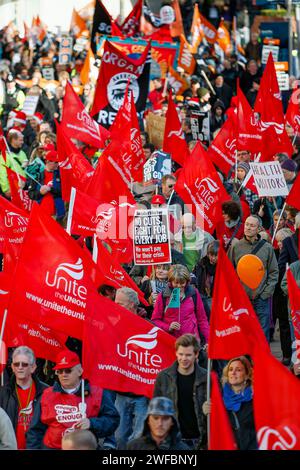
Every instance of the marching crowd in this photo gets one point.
(41, 405)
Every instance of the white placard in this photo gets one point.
(269, 179)
(30, 104)
(266, 51)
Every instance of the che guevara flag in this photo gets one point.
(174, 141)
(133, 351)
(199, 185)
(221, 435)
(115, 71)
(74, 168)
(77, 123)
(276, 403)
(234, 327)
(52, 277)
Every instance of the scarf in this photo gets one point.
(233, 401)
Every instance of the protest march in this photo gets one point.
(149, 229)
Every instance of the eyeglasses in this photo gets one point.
(63, 371)
(20, 364)
(170, 186)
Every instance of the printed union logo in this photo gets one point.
(10, 217)
(87, 121)
(142, 359)
(117, 86)
(178, 134)
(66, 164)
(70, 287)
(279, 128)
(75, 271)
(234, 313)
(147, 341)
(271, 439)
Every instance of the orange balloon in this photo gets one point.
(250, 270)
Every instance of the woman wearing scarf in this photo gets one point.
(237, 396)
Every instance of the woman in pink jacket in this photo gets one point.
(190, 317)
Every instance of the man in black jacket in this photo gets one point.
(20, 396)
(185, 384)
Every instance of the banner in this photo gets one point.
(151, 237)
(133, 351)
(156, 167)
(269, 179)
(200, 126)
(185, 58)
(101, 24)
(115, 71)
(155, 126)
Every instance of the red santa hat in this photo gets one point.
(20, 118)
(38, 117)
(14, 129)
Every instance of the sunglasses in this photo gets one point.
(171, 186)
(20, 364)
(63, 371)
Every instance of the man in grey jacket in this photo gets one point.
(252, 243)
(7, 434)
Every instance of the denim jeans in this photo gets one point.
(132, 412)
(262, 309)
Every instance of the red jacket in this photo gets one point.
(60, 412)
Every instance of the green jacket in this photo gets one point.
(267, 255)
(13, 161)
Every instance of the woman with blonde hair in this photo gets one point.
(187, 317)
(237, 397)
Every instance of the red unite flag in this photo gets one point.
(174, 141)
(19, 196)
(294, 298)
(77, 123)
(293, 198)
(276, 403)
(221, 435)
(53, 287)
(13, 225)
(200, 186)
(223, 148)
(234, 327)
(292, 115)
(133, 351)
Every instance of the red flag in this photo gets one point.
(292, 115)
(174, 141)
(223, 440)
(74, 168)
(293, 198)
(78, 25)
(276, 404)
(77, 123)
(112, 271)
(115, 71)
(133, 351)
(234, 327)
(269, 104)
(52, 287)
(223, 148)
(248, 130)
(126, 139)
(131, 24)
(294, 298)
(200, 186)
(19, 196)
(13, 225)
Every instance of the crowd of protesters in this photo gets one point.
(175, 419)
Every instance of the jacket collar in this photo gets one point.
(200, 376)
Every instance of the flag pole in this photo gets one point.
(276, 228)
(295, 137)
(209, 365)
(95, 250)
(83, 406)
(235, 167)
(1, 340)
(70, 211)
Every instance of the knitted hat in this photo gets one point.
(244, 166)
(289, 165)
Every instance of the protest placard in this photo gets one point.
(200, 126)
(155, 126)
(156, 167)
(151, 242)
(65, 50)
(30, 104)
(269, 179)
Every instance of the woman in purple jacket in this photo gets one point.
(190, 317)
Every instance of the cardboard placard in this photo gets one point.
(155, 126)
(151, 241)
(200, 126)
(30, 104)
(269, 179)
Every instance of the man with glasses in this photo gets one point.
(62, 410)
(174, 203)
(20, 396)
